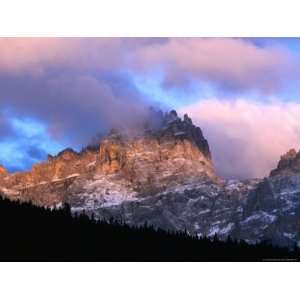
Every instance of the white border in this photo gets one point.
(149, 18)
(149, 280)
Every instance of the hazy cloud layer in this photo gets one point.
(77, 87)
(36, 55)
(247, 138)
(73, 107)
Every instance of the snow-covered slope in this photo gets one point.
(203, 208)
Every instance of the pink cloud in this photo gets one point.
(36, 54)
(247, 138)
(228, 63)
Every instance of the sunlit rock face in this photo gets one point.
(166, 152)
(3, 171)
(154, 161)
(112, 155)
(3, 174)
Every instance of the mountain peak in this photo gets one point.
(65, 154)
(291, 154)
(166, 142)
(288, 164)
(171, 126)
(162, 126)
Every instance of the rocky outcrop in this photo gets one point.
(161, 157)
(66, 163)
(3, 174)
(112, 155)
(3, 171)
(168, 151)
(289, 164)
(272, 209)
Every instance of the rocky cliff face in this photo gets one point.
(202, 209)
(162, 174)
(272, 210)
(253, 210)
(165, 153)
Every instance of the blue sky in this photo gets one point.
(61, 92)
(29, 144)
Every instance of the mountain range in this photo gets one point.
(162, 174)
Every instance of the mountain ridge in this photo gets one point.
(162, 174)
(168, 151)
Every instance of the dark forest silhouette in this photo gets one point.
(31, 233)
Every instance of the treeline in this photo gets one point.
(31, 233)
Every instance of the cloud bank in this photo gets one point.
(246, 137)
(229, 64)
(233, 64)
(77, 88)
